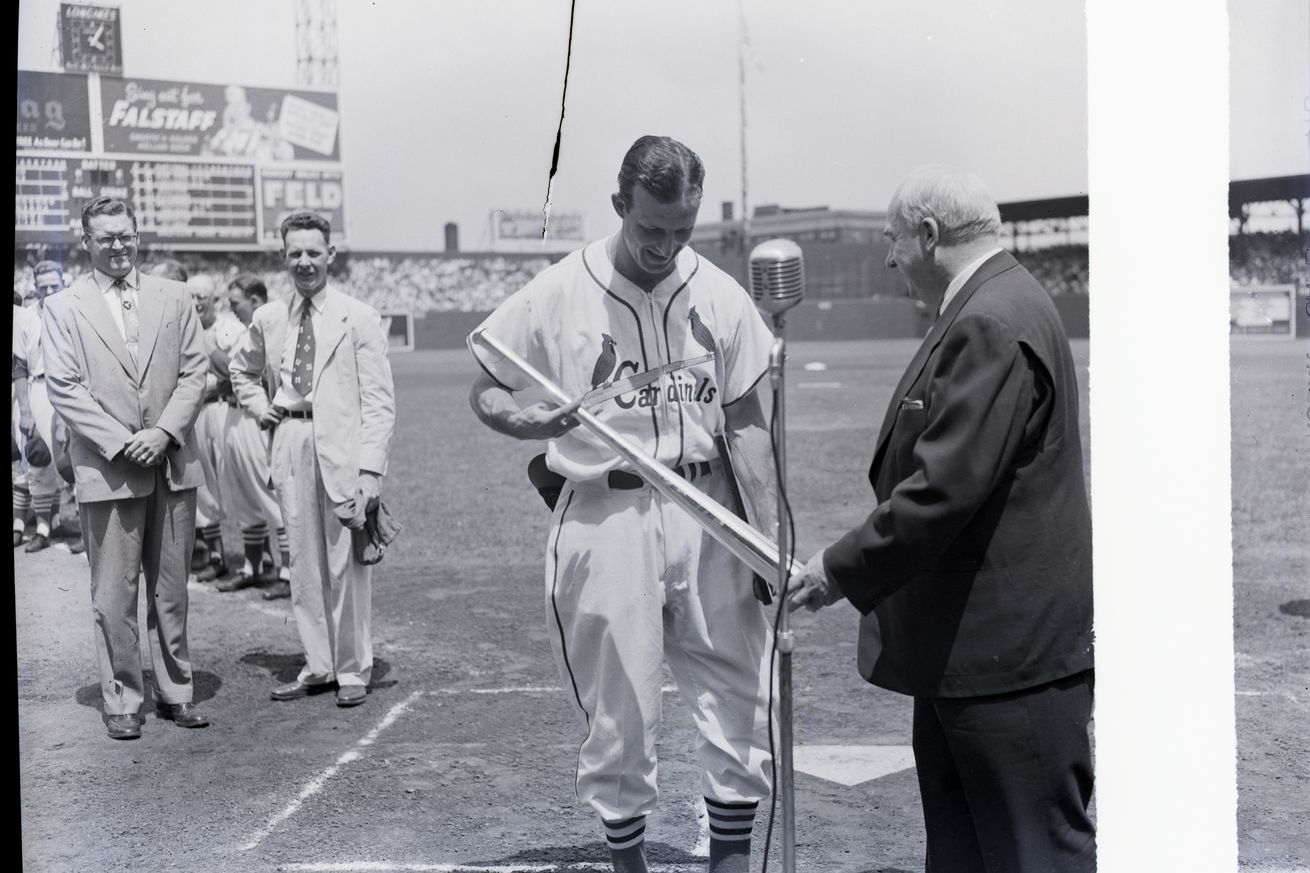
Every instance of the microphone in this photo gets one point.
(777, 275)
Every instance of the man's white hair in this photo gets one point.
(202, 284)
(959, 202)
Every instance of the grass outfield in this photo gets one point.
(463, 756)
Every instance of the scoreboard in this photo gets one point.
(204, 166)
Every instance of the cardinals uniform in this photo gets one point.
(631, 579)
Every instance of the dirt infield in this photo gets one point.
(463, 756)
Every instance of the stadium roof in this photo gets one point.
(1265, 190)
(1051, 207)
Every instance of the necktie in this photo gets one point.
(131, 319)
(302, 370)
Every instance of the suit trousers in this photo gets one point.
(331, 594)
(125, 538)
(209, 439)
(1006, 779)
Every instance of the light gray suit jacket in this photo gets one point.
(105, 397)
(353, 395)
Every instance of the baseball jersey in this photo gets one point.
(27, 339)
(582, 324)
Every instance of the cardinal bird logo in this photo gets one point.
(699, 331)
(600, 374)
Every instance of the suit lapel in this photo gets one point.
(275, 340)
(95, 311)
(334, 330)
(150, 300)
(992, 267)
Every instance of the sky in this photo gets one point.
(450, 110)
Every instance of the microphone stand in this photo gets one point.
(786, 641)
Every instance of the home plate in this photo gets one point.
(851, 765)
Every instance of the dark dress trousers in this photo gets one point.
(974, 577)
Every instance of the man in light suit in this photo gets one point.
(329, 398)
(973, 572)
(125, 369)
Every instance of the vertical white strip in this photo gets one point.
(1158, 164)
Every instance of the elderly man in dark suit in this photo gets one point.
(973, 572)
(125, 368)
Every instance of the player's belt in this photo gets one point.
(622, 480)
(299, 413)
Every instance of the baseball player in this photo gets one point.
(25, 321)
(35, 414)
(245, 470)
(631, 579)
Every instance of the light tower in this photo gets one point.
(316, 43)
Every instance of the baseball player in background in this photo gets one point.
(36, 416)
(245, 473)
(26, 323)
(631, 579)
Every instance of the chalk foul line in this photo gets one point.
(316, 784)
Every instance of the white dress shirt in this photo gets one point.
(131, 287)
(963, 276)
(288, 397)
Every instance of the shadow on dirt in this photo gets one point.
(590, 854)
(204, 686)
(285, 667)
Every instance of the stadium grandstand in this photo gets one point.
(850, 292)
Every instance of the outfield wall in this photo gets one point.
(813, 320)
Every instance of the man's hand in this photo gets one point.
(368, 486)
(812, 588)
(147, 447)
(543, 421)
(271, 417)
(26, 423)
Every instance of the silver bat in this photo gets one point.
(751, 547)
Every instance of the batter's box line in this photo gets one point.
(518, 689)
(315, 785)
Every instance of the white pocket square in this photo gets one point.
(911, 403)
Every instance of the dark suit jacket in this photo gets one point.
(974, 572)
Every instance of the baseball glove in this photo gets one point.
(38, 453)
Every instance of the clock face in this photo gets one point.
(89, 38)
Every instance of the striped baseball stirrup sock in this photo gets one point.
(43, 507)
(212, 536)
(22, 505)
(627, 844)
(252, 543)
(730, 835)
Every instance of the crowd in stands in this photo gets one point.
(417, 284)
(421, 284)
(1059, 269)
(1267, 258)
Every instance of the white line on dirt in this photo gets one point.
(388, 867)
(1280, 693)
(818, 384)
(316, 784)
(519, 689)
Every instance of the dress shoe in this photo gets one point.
(18, 538)
(277, 590)
(38, 543)
(212, 572)
(77, 546)
(123, 727)
(298, 689)
(186, 715)
(351, 695)
(237, 582)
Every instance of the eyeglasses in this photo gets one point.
(107, 240)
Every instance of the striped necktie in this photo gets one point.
(131, 319)
(302, 371)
